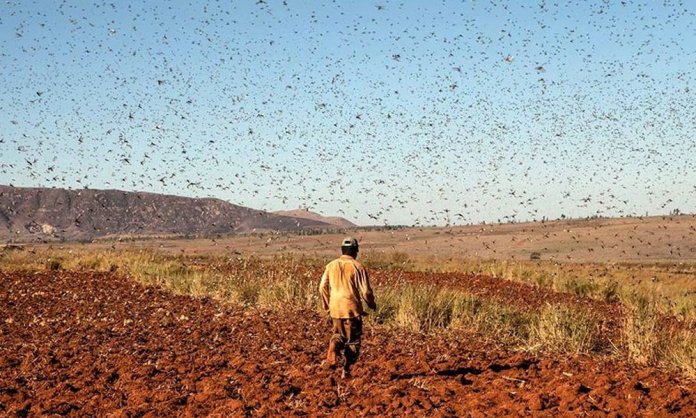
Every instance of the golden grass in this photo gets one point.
(642, 339)
(669, 285)
(646, 341)
(286, 282)
(680, 352)
(566, 329)
(424, 308)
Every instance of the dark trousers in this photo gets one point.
(345, 340)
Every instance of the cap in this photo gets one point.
(349, 242)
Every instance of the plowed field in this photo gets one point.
(80, 343)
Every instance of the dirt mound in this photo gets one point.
(96, 344)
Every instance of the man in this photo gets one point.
(344, 285)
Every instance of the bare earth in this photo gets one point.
(81, 343)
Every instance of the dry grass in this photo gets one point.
(642, 339)
(648, 341)
(285, 282)
(669, 285)
(425, 308)
(567, 330)
(681, 352)
(246, 281)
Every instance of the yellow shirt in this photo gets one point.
(344, 285)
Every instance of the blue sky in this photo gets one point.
(383, 112)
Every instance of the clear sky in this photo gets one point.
(382, 112)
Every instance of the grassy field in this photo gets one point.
(289, 281)
(645, 267)
(616, 240)
(605, 259)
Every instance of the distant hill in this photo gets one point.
(307, 214)
(29, 214)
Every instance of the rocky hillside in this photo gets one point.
(29, 214)
(307, 214)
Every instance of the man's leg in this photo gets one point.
(353, 330)
(336, 343)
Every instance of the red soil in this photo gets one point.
(96, 344)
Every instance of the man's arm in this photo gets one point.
(324, 290)
(366, 289)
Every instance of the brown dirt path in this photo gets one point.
(89, 343)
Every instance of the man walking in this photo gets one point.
(344, 285)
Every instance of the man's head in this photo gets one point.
(349, 246)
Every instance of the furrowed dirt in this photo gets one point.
(81, 343)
